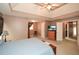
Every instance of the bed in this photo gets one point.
(32, 46)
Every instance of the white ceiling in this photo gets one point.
(31, 8)
(32, 11)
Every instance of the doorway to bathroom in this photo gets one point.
(70, 30)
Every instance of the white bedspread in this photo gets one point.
(32, 46)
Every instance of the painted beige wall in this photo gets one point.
(35, 26)
(59, 36)
(17, 27)
(39, 28)
(78, 33)
(43, 29)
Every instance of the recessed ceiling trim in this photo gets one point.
(60, 6)
(52, 7)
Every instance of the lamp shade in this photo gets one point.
(5, 33)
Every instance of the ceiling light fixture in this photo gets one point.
(50, 6)
(55, 5)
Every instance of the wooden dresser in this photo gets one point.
(52, 35)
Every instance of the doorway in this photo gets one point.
(32, 29)
(65, 30)
(70, 30)
(73, 30)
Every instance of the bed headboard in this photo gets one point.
(1, 24)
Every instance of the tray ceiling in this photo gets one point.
(50, 6)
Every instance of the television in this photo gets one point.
(51, 27)
(1, 25)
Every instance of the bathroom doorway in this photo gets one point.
(73, 30)
(32, 29)
(70, 30)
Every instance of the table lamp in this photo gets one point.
(4, 34)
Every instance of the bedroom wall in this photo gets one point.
(43, 29)
(39, 28)
(78, 33)
(59, 31)
(16, 26)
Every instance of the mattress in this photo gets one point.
(33, 46)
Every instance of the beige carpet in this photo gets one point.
(67, 47)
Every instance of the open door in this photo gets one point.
(30, 24)
(32, 29)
